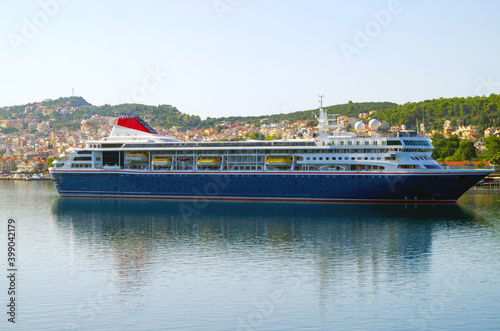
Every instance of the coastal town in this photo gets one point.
(28, 144)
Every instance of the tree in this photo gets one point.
(452, 144)
(8, 130)
(495, 159)
(492, 144)
(255, 136)
(351, 108)
(444, 148)
(49, 162)
(465, 152)
(439, 143)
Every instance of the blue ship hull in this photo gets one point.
(283, 186)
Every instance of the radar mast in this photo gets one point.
(326, 122)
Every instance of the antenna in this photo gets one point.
(423, 118)
(325, 121)
(72, 91)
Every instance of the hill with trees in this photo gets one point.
(480, 111)
(167, 116)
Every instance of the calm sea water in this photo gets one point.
(111, 264)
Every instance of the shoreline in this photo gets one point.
(25, 178)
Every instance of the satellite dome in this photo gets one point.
(374, 124)
(359, 126)
(403, 127)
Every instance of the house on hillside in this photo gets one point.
(491, 132)
(480, 145)
(285, 123)
(468, 132)
(448, 129)
(299, 124)
(25, 166)
(7, 165)
(38, 164)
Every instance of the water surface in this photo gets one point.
(112, 264)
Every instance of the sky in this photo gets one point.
(217, 58)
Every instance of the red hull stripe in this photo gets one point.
(366, 173)
(260, 199)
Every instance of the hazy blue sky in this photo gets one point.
(244, 57)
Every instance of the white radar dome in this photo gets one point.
(359, 126)
(403, 127)
(374, 124)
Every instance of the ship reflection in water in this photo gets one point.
(309, 264)
(330, 236)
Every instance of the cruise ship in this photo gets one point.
(335, 166)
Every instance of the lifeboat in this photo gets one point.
(184, 159)
(279, 161)
(209, 161)
(162, 161)
(136, 157)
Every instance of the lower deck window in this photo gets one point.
(407, 166)
(80, 165)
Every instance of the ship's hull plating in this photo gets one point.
(283, 186)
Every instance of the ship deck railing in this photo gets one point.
(392, 134)
(274, 170)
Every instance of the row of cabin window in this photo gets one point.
(414, 150)
(80, 165)
(366, 143)
(423, 158)
(417, 142)
(358, 143)
(341, 158)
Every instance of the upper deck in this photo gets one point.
(132, 144)
(132, 133)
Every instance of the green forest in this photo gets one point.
(480, 111)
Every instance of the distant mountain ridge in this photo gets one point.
(481, 111)
(62, 101)
(168, 116)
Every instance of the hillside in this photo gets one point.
(350, 109)
(168, 116)
(481, 111)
